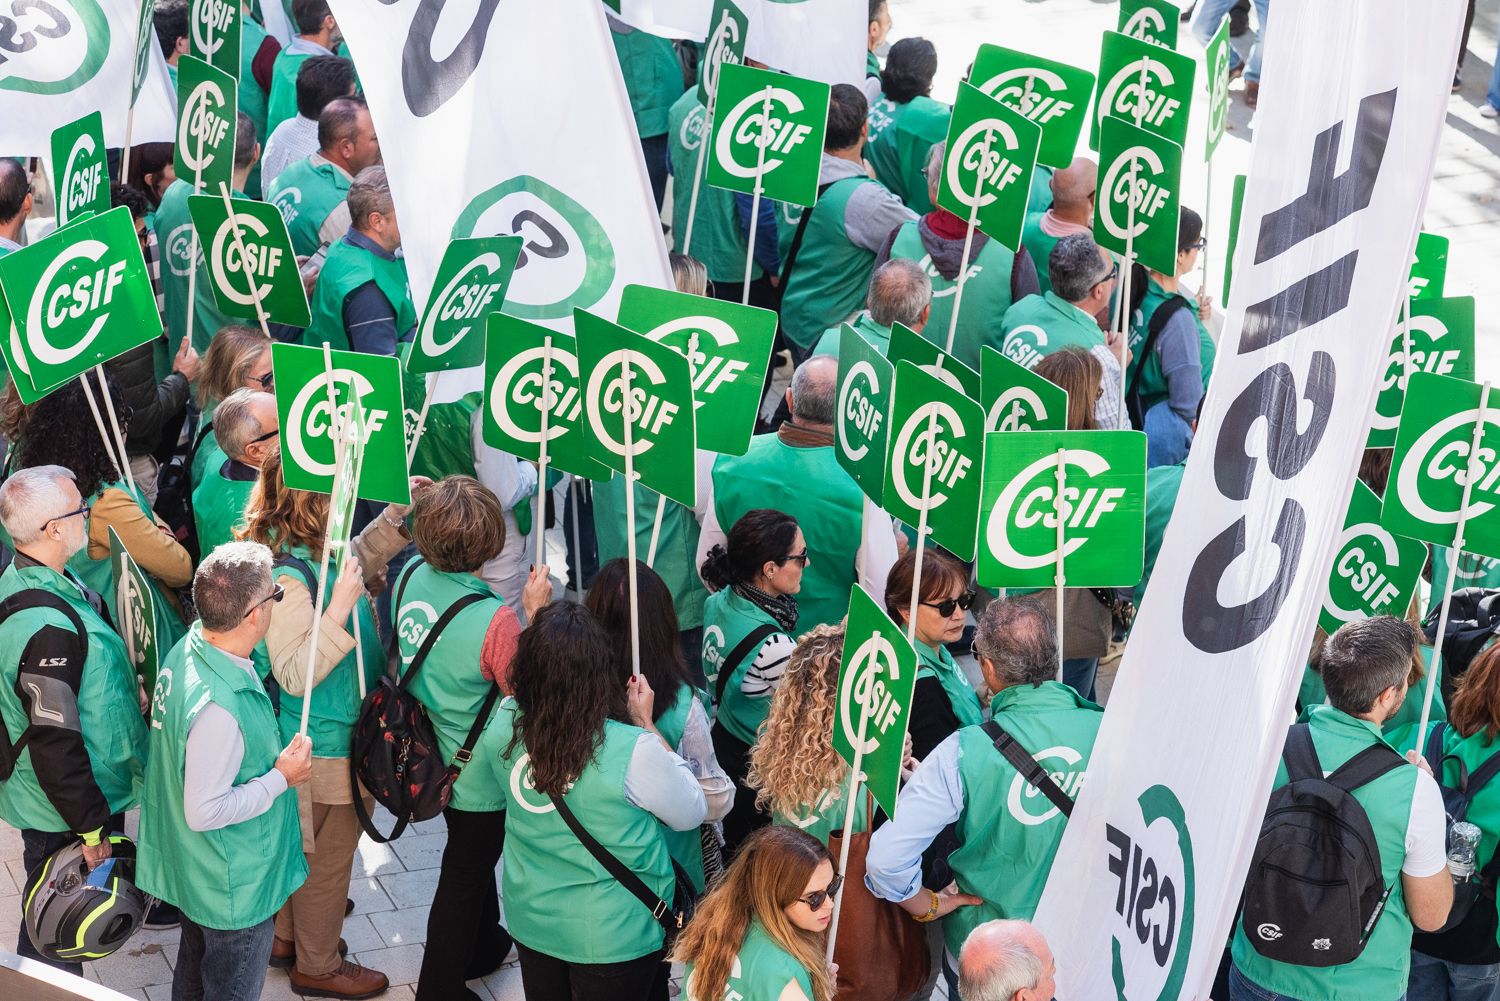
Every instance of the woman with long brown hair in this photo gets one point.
(762, 931)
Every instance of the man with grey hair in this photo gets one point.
(219, 836)
(900, 292)
(246, 427)
(1012, 821)
(70, 702)
(363, 301)
(1006, 961)
(794, 470)
(1069, 315)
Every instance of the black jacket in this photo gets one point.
(154, 406)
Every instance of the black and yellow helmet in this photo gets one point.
(74, 915)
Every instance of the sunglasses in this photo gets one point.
(1198, 244)
(265, 437)
(65, 517)
(816, 899)
(801, 558)
(277, 592)
(1114, 273)
(265, 381)
(948, 607)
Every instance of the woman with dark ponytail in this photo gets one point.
(747, 623)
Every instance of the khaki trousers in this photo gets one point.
(313, 917)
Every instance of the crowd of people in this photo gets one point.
(611, 797)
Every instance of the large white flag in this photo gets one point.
(64, 59)
(818, 39)
(1144, 888)
(669, 18)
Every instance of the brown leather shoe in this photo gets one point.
(350, 981)
(284, 953)
(1252, 93)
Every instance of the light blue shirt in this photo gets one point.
(929, 802)
(662, 784)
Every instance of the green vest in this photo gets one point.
(822, 818)
(1039, 198)
(1153, 386)
(899, 153)
(282, 102)
(558, 899)
(831, 276)
(209, 457)
(685, 847)
(762, 971)
(986, 294)
(335, 699)
(305, 194)
(174, 235)
(828, 507)
(252, 100)
(345, 269)
(653, 77)
(449, 685)
(962, 698)
(878, 336)
(1162, 486)
(447, 445)
(728, 619)
(237, 876)
(1474, 570)
(114, 734)
(1039, 244)
(219, 507)
(787, 218)
(882, 115)
(1311, 694)
(1039, 325)
(676, 547)
(1008, 833)
(1379, 974)
(718, 240)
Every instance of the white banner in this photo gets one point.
(670, 18)
(1145, 885)
(819, 39)
(63, 59)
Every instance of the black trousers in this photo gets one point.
(743, 819)
(547, 978)
(654, 149)
(465, 939)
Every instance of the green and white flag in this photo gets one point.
(134, 610)
(877, 677)
(635, 387)
(1054, 95)
(77, 298)
(1140, 194)
(145, 44)
(725, 46)
(1441, 340)
(862, 423)
(1143, 83)
(83, 175)
(728, 347)
(309, 424)
(469, 288)
(786, 116)
(1236, 210)
(1103, 508)
(1017, 399)
(1216, 79)
(214, 34)
(256, 248)
(207, 103)
(936, 449)
(1431, 462)
(1374, 572)
(991, 155)
(908, 345)
(1150, 21)
(515, 377)
(1429, 268)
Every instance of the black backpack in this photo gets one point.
(32, 597)
(1157, 324)
(1315, 888)
(1473, 621)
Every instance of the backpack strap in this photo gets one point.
(1366, 766)
(1481, 776)
(1433, 749)
(303, 568)
(752, 641)
(1159, 321)
(796, 245)
(427, 642)
(203, 433)
(20, 601)
(406, 573)
(660, 909)
(1022, 761)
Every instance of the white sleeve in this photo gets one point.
(877, 549)
(1426, 830)
(662, 784)
(764, 674)
(215, 750)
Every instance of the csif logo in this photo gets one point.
(1028, 501)
(78, 285)
(523, 793)
(609, 391)
(1218, 107)
(974, 154)
(522, 382)
(1268, 931)
(1442, 453)
(202, 126)
(858, 410)
(748, 125)
(721, 47)
(311, 419)
(710, 371)
(1147, 24)
(179, 245)
(1129, 183)
(1152, 860)
(1130, 93)
(51, 47)
(287, 202)
(228, 265)
(1024, 344)
(412, 625)
(925, 442)
(1019, 408)
(462, 302)
(1361, 578)
(1023, 796)
(865, 689)
(130, 599)
(211, 18)
(1019, 89)
(690, 135)
(83, 173)
(159, 694)
(1399, 367)
(713, 651)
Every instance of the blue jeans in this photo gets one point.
(1168, 436)
(222, 965)
(1439, 980)
(1206, 22)
(1242, 988)
(1078, 674)
(1493, 97)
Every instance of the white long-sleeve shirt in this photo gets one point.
(215, 750)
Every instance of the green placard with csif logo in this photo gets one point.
(862, 423)
(725, 46)
(257, 242)
(791, 134)
(1374, 572)
(206, 107)
(908, 345)
(1439, 340)
(877, 678)
(145, 38)
(214, 34)
(1153, 21)
(1140, 194)
(1216, 80)
(1429, 267)
(1017, 399)
(134, 609)
(470, 286)
(991, 155)
(1054, 95)
(1143, 83)
(936, 448)
(83, 175)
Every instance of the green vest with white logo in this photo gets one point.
(986, 294)
(236, 876)
(1379, 974)
(281, 103)
(251, 99)
(219, 508)
(728, 619)
(831, 276)
(811, 486)
(762, 971)
(1163, 483)
(345, 269)
(1311, 693)
(305, 194)
(114, 734)
(653, 77)
(718, 240)
(558, 899)
(962, 698)
(685, 847)
(899, 154)
(449, 685)
(878, 337)
(1009, 832)
(1038, 325)
(883, 115)
(335, 699)
(1153, 387)
(822, 818)
(174, 235)
(1039, 244)
(676, 546)
(447, 445)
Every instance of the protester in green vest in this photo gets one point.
(170, 19)
(678, 712)
(246, 427)
(1170, 373)
(653, 82)
(943, 700)
(900, 292)
(1312, 693)
(317, 35)
(1006, 959)
(312, 193)
(761, 933)
(563, 743)
(67, 687)
(1006, 840)
(258, 52)
(1072, 191)
(875, 43)
(1365, 668)
(514, 484)
(219, 834)
(348, 659)
(238, 358)
(320, 80)
(151, 173)
(457, 527)
(15, 204)
(363, 300)
(900, 152)
(824, 283)
(1163, 483)
(997, 277)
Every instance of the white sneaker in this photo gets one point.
(1488, 110)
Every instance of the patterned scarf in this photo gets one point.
(781, 607)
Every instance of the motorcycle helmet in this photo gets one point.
(74, 915)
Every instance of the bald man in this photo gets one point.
(900, 292)
(15, 203)
(1006, 961)
(1072, 212)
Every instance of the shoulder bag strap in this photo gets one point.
(1159, 320)
(300, 565)
(791, 252)
(659, 908)
(406, 573)
(1299, 755)
(431, 638)
(1366, 766)
(1022, 761)
(463, 754)
(1433, 749)
(203, 433)
(742, 650)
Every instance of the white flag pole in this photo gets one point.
(1208, 207)
(963, 262)
(629, 436)
(1457, 551)
(192, 291)
(856, 779)
(336, 429)
(239, 245)
(540, 514)
(114, 423)
(104, 435)
(1123, 288)
(359, 471)
(130, 99)
(416, 435)
(760, 170)
(1060, 578)
(687, 234)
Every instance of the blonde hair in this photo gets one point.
(689, 274)
(281, 518)
(228, 360)
(793, 764)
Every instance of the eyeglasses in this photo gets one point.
(1114, 273)
(265, 437)
(277, 591)
(265, 381)
(801, 558)
(948, 607)
(1198, 244)
(816, 899)
(65, 517)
